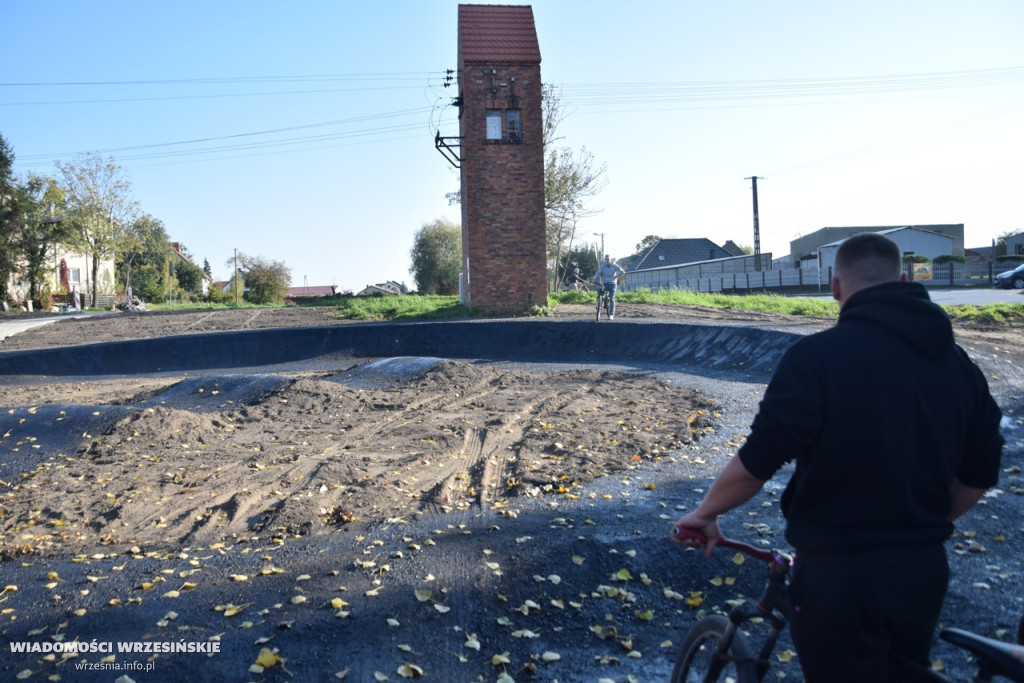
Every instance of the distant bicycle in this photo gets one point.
(603, 302)
(578, 286)
(716, 648)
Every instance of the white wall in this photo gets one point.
(910, 241)
(84, 265)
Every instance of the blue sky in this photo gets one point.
(303, 131)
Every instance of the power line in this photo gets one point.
(164, 98)
(271, 131)
(592, 94)
(269, 144)
(366, 83)
(603, 94)
(584, 95)
(399, 75)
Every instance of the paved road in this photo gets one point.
(970, 297)
(12, 327)
(976, 297)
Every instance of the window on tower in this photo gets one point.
(513, 121)
(493, 124)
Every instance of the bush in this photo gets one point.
(217, 295)
(44, 299)
(266, 280)
(399, 307)
(572, 296)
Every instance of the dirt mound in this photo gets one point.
(315, 454)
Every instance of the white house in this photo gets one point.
(1015, 244)
(910, 241)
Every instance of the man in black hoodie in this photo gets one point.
(895, 435)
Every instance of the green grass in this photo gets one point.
(400, 308)
(202, 306)
(991, 314)
(411, 307)
(771, 303)
(822, 308)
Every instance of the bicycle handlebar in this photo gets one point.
(691, 539)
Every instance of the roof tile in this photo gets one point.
(497, 34)
(677, 251)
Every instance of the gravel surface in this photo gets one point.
(461, 519)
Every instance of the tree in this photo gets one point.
(571, 179)
(99, 207)
(646, 243)
(149, 281)
(10, 213)
(437, 257)
(190, 279)
(266, 281)
(586, 256)
(143, 251)
(1001, 248)
(236, 286)
(42, 230)
(189, 276)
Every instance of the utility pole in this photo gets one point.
(757, 226)
(601, 255)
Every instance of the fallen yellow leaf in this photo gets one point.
(267, 658)
(410, 671)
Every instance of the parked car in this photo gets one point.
(1012, 278)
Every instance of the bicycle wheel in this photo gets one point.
(698, 660)
(600, 302)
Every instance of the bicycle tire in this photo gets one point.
(600, 301)
(696, 656)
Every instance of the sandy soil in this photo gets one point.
(313, 454)
(187, 477)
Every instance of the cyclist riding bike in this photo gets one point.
(574, 280)
(606, 277)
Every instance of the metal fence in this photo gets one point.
(788, 280)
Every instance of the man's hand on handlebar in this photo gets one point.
(708, 528)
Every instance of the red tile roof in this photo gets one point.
(317, 290)
(498, 34)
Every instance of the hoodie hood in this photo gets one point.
(904, 309)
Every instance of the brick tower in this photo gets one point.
(502, 171)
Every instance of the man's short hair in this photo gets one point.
(869, 258)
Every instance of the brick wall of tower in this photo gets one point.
(503, 226)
